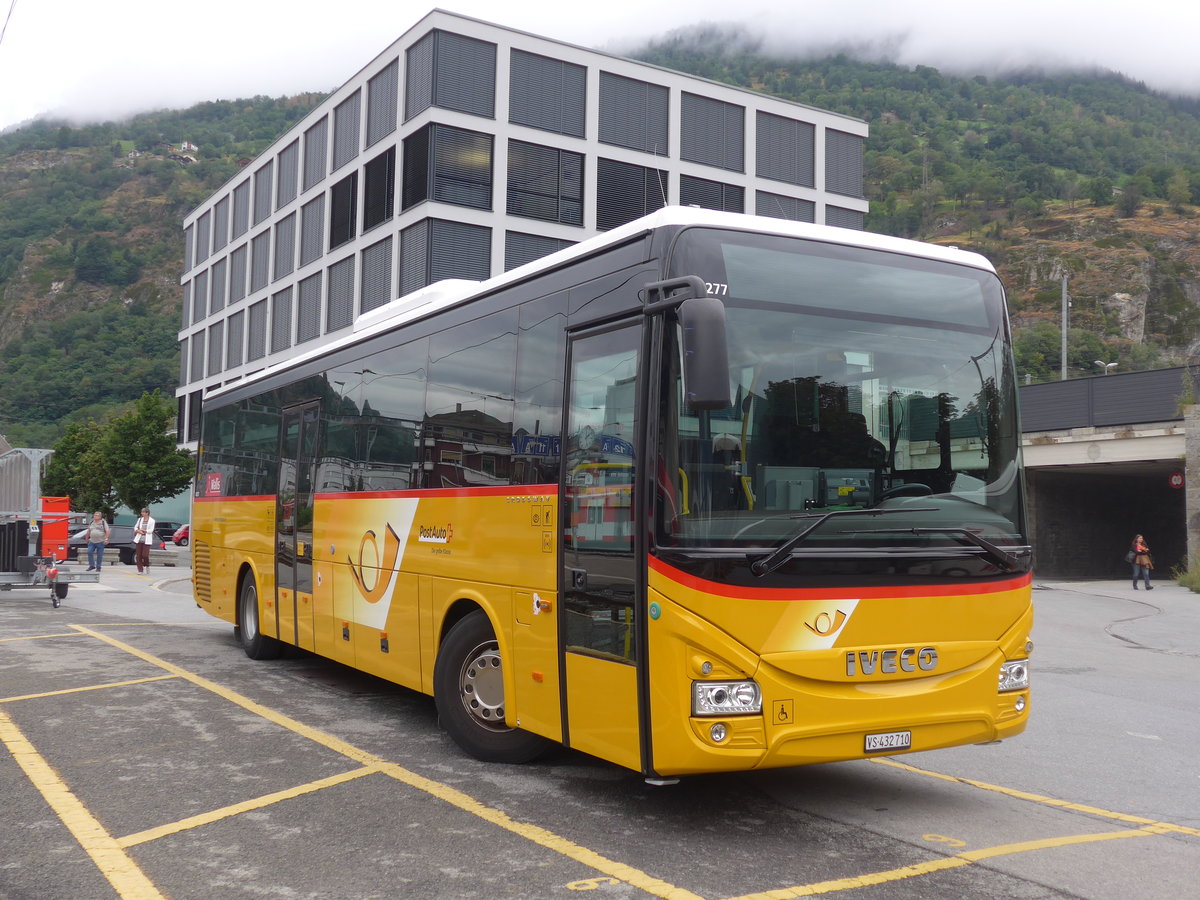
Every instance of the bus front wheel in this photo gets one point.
(256, 644)
(468, 688)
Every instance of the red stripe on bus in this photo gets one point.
(847, 593)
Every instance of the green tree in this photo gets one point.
(77, 470)
(139, 451)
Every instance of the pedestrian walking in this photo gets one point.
(1140, 557)
(143, 534)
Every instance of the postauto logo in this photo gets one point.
(435, 534)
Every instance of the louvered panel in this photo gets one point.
(200, 297)
(785, 150)
(465, 74)
(376, 275)
(316, 153)
(418, 76)
(217, 287)
(381, 103)
(285, 247)
(202, 571)
(203, 229)
(281, 320)
(340, 311)
(777, 206)
(260, 261)
(216, 344)
(346, 124)
(843, 218)
(312, 230)
(843, 163)
(221, 224)
(458, 250)
(308, 309)
(256, 332)
(549, 94)
(237, 274)
(197, 356)
(235, 333)
(633, 114)
(414, 257)
(288, 172)
(262, 192)
(241, 209)
(520, 248)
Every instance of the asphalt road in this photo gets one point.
(145, 756)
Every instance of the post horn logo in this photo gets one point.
(824, 624)
(382, 564)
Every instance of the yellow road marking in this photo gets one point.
(90, 687)
(114, 864)
(153, 834)
(1045, 801)
(38, 637)
(538, 835)
(940, 865)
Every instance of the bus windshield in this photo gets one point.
(873, 413)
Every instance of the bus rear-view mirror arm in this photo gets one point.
(705, 349)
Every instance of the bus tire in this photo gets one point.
(468, 689)
(256, 644)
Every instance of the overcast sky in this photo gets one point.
(93, 61)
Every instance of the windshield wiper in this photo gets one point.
(775, 559)
(998, 555)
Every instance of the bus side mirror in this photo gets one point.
(705, 353)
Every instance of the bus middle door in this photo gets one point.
(294, 525)
(602, 602)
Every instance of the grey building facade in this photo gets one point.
(466, 149)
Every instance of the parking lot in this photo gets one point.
(146, 756)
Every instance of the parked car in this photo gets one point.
(166, 530)
(180, 537)
(120, 540)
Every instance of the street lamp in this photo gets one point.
(1105, 366)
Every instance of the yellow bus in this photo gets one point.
(707, 492)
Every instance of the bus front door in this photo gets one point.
(602, 602)
(294, 525)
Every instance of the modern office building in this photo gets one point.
(466, 149)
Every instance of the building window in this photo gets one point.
(545, 183)
(785, 150)
(379, 188)
(221, 224)
(316, 140)
(343, 210)
(312, 230)
(712, 133)
(843, 163)
(345, 130)
(187, 305)
(375, 288)
(625, 192)
(197, 355)
(189, 234)
(285, 247)
(281, 320)
(340, 311)
(778, 206)
(237, 274)
(217, 297)
(256, 337)
(200, 296)
(215, 341)
(843, 218)
(546, 93)
(203, 226)
(448, 165)
(233, 341)
(241, 209)
(289, 171)
(262, 192)
(633, 114)
(308, 312)
(450, 71)
(711, 194)
(434, 249)
(381, 103)
(522, 248)
(260, 261)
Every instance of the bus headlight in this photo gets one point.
(1014, 675)
(726, 698)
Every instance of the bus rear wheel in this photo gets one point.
(468, 688)
(256, 644)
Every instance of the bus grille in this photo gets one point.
(202, 572)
